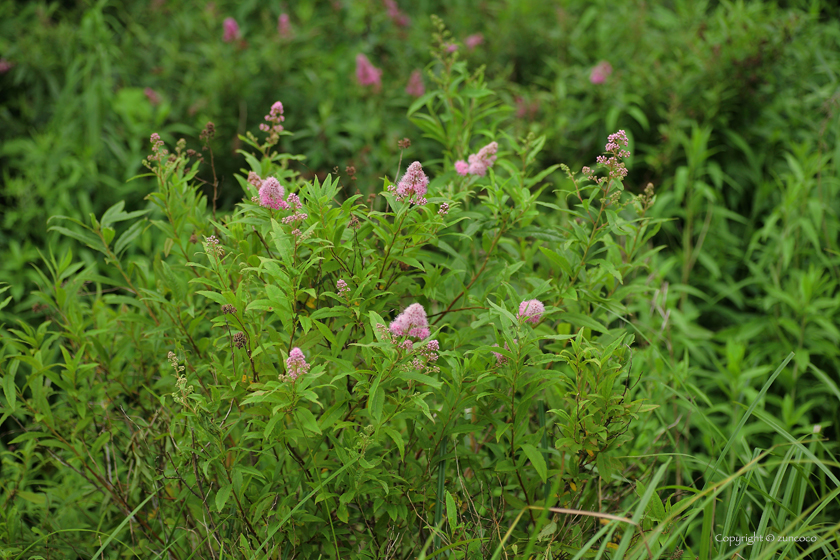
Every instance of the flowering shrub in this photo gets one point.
(143, 417)
(299, 423)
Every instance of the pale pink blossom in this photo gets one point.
(152, 96)
(484, 159)
(5, 65)
(462, 167)
(411, 322)
(399, 18)
(254, 179)
(284, 26)
(296, 364)
(231, 30)
(275, 117)
(415, 87)
(600, 72)
(501, 359)
(412, 186)
(531, 310)
(271, 194)
(342, 286)
(474, 40)
(367, 74)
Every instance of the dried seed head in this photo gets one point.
(228, 309)
(239, 340)
(404, 144)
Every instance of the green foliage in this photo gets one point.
(678, 394)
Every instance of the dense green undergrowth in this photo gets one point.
(260, 348)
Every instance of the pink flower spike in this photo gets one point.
(415, 87)
(399, 18)
(367, 74)
(483, 160)
(152, 96)
(296, 364)
(600, 72)
(254, 179)
(342, 286)
(474, 40)
(531, 310)
(284, 27)
(462, 167)
(411, 322)
(271, 194)
(413, 185)
(231, 30)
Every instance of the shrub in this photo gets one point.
(238, 389)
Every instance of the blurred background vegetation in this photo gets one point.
(731, 107)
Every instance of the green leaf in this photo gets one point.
(398, 440)
(451, 511)
(87, 238)
(39, 499)
(129, 235)
(584, 321)
(307, 420)
(222, 496)
(537, 460)
(655, 509)
(108, 233)
(10, 390)
(377, 403)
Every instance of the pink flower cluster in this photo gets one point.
(415, 87)
(411, 322)
(342, 286)
(152, 96)
(474, 40)
(480, 162)
(296, 217)
(5, 65)
(275, 117)
(412, 186)
(231, 30)
(501, 359)
(527, 109)
(367, 74)
(531, 310)
(159, 153)
(296, 364)
(399, 18)
(428, 354)
(284, 27)
(600, 72)
(271, 194)
(616, 144)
